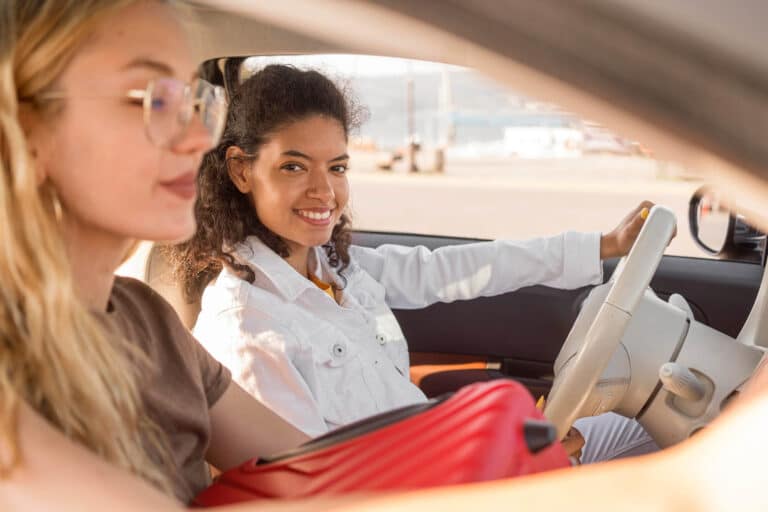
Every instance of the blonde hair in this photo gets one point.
(54, 354)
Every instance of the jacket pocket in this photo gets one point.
(342, 393)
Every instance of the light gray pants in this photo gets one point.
(612, 436)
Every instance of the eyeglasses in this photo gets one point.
(169, 107)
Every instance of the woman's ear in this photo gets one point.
(41, 174)
(238, 165)
(36, 144)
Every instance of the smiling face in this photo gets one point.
(298, 183)
(109, 177)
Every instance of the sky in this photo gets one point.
(357, 65)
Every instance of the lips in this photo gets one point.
(184, 186)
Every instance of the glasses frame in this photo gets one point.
(191, 104)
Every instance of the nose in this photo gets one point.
(320, 186)
(195, 139)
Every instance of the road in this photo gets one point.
(499, 199)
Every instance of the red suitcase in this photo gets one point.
(484, 431)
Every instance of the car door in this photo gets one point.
(519, 334)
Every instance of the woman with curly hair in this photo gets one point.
(299, 315)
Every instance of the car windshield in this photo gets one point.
(468, 157)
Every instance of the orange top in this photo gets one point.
(327, 288)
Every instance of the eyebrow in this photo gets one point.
(299, 154)
(339, 158)
(150, 64)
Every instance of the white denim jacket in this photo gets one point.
(320, 364)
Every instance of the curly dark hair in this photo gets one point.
(270, 99)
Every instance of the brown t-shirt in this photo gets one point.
(184, 382)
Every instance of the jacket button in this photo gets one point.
(338, 350)
(381, 339)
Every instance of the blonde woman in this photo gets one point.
(99, 380)
(87, 414)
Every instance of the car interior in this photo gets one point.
(659, 357)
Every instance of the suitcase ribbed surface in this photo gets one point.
(475, 435)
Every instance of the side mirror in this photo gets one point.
(719, 232)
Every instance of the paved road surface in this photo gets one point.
(517, 200)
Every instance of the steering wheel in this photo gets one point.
(576, 378)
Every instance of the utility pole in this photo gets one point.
(410, 151)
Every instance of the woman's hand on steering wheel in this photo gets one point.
(573, 442)
(619, 241)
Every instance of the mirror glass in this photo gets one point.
(712, 219)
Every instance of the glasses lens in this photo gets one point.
(172, 104)
(165, 110)
(212, 107)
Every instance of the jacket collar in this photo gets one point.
(275, 269)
